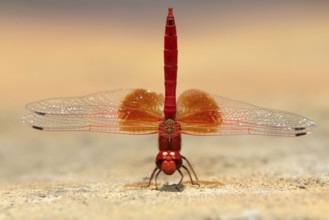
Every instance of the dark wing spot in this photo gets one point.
(37, 127)
(299, 129)
(40, 113)
(300, 134)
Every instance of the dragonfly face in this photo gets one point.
(169, 161)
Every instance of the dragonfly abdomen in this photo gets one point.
(170, 66)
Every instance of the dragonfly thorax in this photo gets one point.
(169, 161)
(169, 136)
(169, 127)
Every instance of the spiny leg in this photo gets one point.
(192, 181)
(177, 186)
(151, 177)
(184, 158)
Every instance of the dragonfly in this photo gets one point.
(140, 111)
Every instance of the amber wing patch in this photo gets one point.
(141, 110)
(198, 112)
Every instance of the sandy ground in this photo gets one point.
(47, 175)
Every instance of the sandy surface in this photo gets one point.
(47, 175)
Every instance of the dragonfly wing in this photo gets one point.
(134, 111)
(203, 114)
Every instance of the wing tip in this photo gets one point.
(301, 131)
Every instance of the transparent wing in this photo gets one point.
(203, 114)
(134, 111)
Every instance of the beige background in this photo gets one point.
(272, 55)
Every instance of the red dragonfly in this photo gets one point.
(140, 111)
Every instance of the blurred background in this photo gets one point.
(270, 53)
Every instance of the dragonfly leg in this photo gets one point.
(192, 181)
(178, 185)
(190, 166)
(151, 177)
(156, 177)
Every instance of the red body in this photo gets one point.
(168, 159)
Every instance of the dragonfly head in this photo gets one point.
(169, 161)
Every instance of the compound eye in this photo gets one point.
(172, 153)
(164, 153)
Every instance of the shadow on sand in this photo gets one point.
(172, 187)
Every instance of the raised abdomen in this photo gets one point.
(170, 66)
